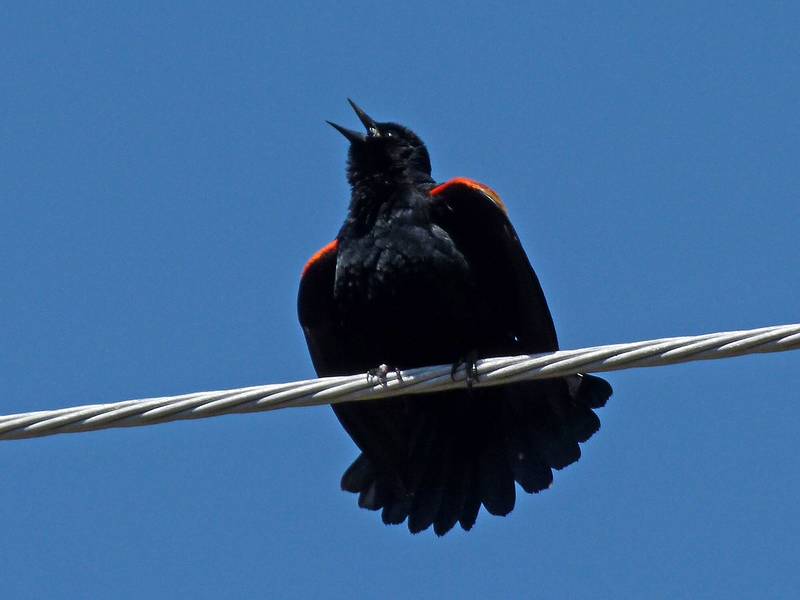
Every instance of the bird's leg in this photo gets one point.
(381, 374)
(469, 360)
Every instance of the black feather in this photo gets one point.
(472, 499)
(359, 475)
(418, 275)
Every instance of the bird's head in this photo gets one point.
(386, 153)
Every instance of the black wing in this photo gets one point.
(517, 318)
(317, 311)
(378, 428)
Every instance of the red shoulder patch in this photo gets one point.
(472, 184)
(320, 255)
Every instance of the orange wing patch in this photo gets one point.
(320, 255)
(470, 183)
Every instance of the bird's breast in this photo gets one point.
(410, 261)
(401, 288)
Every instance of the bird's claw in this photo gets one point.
(470, 365)
(380, 374)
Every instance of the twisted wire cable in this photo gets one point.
(330, 390)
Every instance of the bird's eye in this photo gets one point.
(389, 134)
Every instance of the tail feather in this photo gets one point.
(466, 449)
(582, 423)
(546, 427)
(593, 391)
(359, 475)
(496, 480)
(472, 499)
(560, 448)
(372, 497)
(396, 511)
(428, 492)
(529, 467)
(454, 494)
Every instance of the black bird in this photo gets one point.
(424, 274)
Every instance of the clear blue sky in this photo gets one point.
(165, 172)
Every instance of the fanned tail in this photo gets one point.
(466, 449)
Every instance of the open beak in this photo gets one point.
(354, 136)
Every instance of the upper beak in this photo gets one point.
(369, 122)
(354, 136)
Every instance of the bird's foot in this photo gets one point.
(380, 374)
(469, 361)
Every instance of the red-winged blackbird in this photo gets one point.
(424, 274)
